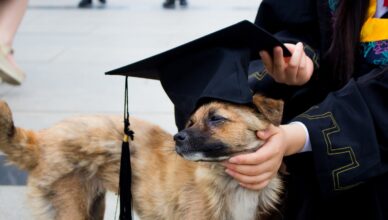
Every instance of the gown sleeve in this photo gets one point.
(349, 132)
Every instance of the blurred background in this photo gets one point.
(65, 50)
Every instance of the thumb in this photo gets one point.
(268, 132)
(290, 47)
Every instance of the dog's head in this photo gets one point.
(218, 130)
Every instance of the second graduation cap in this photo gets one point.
(211, 67)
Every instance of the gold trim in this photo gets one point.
(260, 75)
(336, 151)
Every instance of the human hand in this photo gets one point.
(255, 170)
(294, 70)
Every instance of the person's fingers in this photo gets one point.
(301, 73)
(293, 65)
(302, 65)
(248, 159)
(268, 132)
(290, 47)
(258, 186)
(264, 153)
(278, 64)
(249, 179)
(267, 60)
(309, 68)
(297, 55)
(252, 170)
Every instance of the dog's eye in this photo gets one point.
(216, 118)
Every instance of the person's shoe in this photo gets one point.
(169, 4)
(183, 3)
(103, 1)
(9, 73)
(85, 4)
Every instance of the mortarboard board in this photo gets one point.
(211, 67)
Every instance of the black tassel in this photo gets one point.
(125, 181)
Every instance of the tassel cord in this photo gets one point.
(125, 180)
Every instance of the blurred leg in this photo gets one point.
(11, 15)
(183, 2)
(169, 4)
(85, 4)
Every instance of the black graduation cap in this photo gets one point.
(211, 67)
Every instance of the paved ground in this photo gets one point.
(65, 52)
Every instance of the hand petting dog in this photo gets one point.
(255, 170)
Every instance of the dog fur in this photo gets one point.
(72, 164)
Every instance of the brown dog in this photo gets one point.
(72, 164)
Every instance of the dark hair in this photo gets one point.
(341, 57)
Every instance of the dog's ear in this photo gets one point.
(7, 127)
(272, 109)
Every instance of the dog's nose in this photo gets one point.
(180, 137)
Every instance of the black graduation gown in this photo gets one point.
(346, 174)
